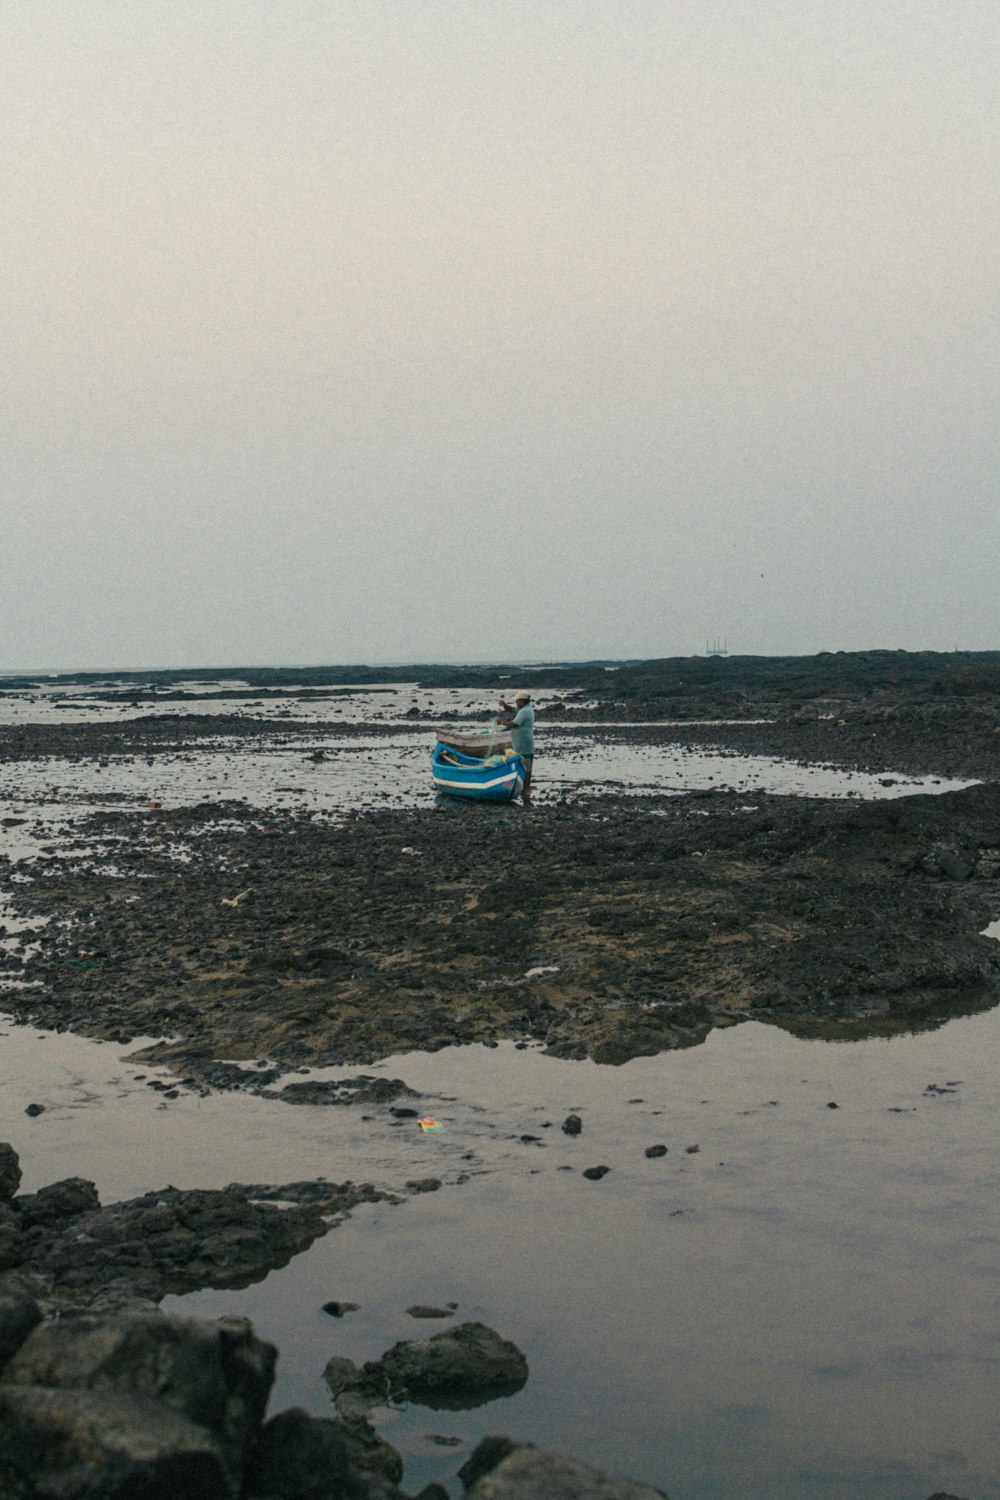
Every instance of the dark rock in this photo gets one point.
(341, 1375)
(13, 1247)
(519, 1471)
(459, 1368)
(216, 1375)
(486, 1456)
(572, 1125)
(420, 1311)
(19, 1314)
(362, 1090)
(89, 1445)
(177, 1241)
(35, 1109)
(424, 1185)
(60, 1200)
(369, 1453)
(300, 1457)
(10, 1172)
(952, 864)
(652, 1151)
(338, 1309)
(596, 1173)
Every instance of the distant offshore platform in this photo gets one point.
(717, 647)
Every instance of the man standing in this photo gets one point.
(520, 720)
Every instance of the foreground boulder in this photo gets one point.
(300, 1457)
(145, 1404)
(80, 1445)
(217, 1374)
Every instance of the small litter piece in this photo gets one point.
(429, 1123)
(235, 900)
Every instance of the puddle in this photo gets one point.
(103, 1120)
(386, 772)
(803, 1308)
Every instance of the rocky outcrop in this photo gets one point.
(67, 1249)
(641, 934)
(143, 1404)
(460, 1368)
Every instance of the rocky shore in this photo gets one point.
(605, 927)
(610, 928)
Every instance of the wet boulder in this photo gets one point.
(59, 1200)
(19, 1314)
(10, 1172)
(213, 1376)
(341, 1374)
(78, 1445)
(13, 1249)
(300, 1457)
(365, 1089)
(459, 1368)
(955, 864)
(503, 1470)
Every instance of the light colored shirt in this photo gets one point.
(522, 737)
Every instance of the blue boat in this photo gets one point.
(497, 778)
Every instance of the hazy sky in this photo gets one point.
(385, 330)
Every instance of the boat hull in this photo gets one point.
(459, 775)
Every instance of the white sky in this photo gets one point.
(394, 330)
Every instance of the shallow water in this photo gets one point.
(393, 771)
(805, 1307)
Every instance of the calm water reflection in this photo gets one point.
(807, 1306)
